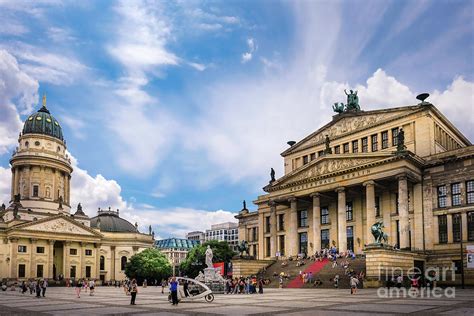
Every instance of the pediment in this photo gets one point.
(345, 124)
(60, 225)
(326, 166)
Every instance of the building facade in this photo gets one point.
(407, 167)
(176, 249)
(40, 237)
(227, 232)
(196, 235)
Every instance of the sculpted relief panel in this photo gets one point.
(59, 226)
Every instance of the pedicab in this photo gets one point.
(196, 290)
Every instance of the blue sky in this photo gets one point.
(175, 111)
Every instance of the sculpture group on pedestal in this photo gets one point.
(211, 274)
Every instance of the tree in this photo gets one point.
(195, 260)
(149, 264)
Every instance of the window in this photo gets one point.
(397, 224)
(337, 149)
(457, 266)
(313, 156)
(442, 196)
(375, 144)
(345, 148)
(396, 203)
(102, 263)
(470, 192)
(303, 241)
(377, 206)
(22, 248)
(303, 218)
(350, 238)
(349, 213)
(305, 159)
(267, 224)
(320, 153)
(73, 251)
(281, 240)
(21, 270)
(88, 252)
(35, 191)
(355, 146)
(443, 229)
(88, 271)
(384, 139)
(39, 249)
(324, 215)
(123, 263)
(456, 194)
(267, 248)
(255, 233)
(73, 271)
(395, 136)
(281, 222)
(457, 220)
(470, 226)
(365, 145)
(324, 238)
(39, 271)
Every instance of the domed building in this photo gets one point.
(40, 235)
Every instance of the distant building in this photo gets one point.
(175, 249)
(196, 235)
(228, 232)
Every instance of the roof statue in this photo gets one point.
(401, 141)
(272, 175)
(44, 100)
(245, 205)
(352, 104)
(149, 230)
(328, 149)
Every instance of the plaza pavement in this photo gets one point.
(150, 301)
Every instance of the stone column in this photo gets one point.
(15, 182)
(82, 249)
(50, 259)
(13, 185)
(370, 210)
(97, 261)
(261, 238)
(316, 221)
(464, 226)
(14, 258)
(273, 229)
(341, 219)
(112, 263)
(68, 185)
(32, 261)
(403, 212)
(293, 228)
(67, 271)
(449, 221)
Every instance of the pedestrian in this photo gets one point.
(133, 291)
(163, 285)
(260, 286)
(78, 288)
(32, 286)
(23, 287)
(280, 283)
(44, 286)
(354, 282)
(399, 281)
(38, 288)
(336, 281)
(91, 287)
(174, 291)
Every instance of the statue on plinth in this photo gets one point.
(379, 235)
(209, 256)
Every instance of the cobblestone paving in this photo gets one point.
(150, 301)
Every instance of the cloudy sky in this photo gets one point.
(174, 111)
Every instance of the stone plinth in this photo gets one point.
(242, 267)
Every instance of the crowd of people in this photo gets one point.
(34, 286)
(243, 285)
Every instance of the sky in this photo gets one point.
(175, 111)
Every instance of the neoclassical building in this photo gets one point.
(408, 167)
(39, 235)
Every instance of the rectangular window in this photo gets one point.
(375, 144)
(73, 271)
(22, 248)
(442, 192)
(443, 229)
(320, 153)
(88, 271)
(456, 194)
(325, 238)
(377, 206)
(470, 192)
(73, 251)
(88, 252)
(303, 218)
(397, 223)
(470, 226)
(267, 224)
(39, 271)
(281, 222)
(39, 249)
(396, 203)
(384, 139)
(305, 159)
(365, 145)
(35, 191)
(324, 215)
(282, 244)
(267, 248)
(255, 233)
(21, 270)
(349, 213)
(337, 149)
(457, 222)
(345, 148)
(355, 146)
(303, 247)
(313, 156)
(350, 238)
(395, 136)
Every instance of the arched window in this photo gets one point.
(102, 263)
(123, 262)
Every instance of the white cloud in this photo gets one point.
(75, 124)
(252, 47)
(197, 66)
(246, 57)
(60, 34)
(5, 185)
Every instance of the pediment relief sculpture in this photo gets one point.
(59, 226)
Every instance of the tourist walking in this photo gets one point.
(91, 287)
(133, 291)
(44, 286)
(399, 281)
(174, 291)
(163, 285)
(38, 288)
(336, 281)
(78, 287)
(260, 286)
(354, 282)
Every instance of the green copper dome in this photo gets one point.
(42, 122)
